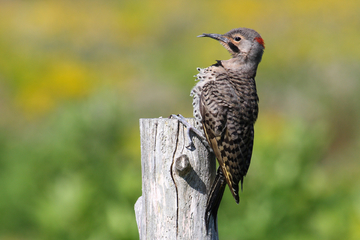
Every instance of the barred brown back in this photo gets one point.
(228, 108)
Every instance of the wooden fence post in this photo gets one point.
(175, 183)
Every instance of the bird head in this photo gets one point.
(242, 43)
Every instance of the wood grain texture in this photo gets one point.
(175, 183)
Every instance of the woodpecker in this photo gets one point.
(225, 103)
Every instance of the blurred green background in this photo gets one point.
(76, 76)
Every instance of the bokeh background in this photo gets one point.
(76, 76)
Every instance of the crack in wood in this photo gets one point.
(173, 178)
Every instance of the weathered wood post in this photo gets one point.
(175, 182)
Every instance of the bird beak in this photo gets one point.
(215, 36)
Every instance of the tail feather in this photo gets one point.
(215, 195)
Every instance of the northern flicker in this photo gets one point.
(225, 105)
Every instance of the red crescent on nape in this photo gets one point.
(260, 40)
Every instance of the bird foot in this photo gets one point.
(189, 128)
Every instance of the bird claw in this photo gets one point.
(189, 128)
(191, 146)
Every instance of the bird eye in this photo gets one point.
(237, 39)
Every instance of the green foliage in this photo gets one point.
(75, 77)
(72, 177)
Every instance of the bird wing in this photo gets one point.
(230, 138)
